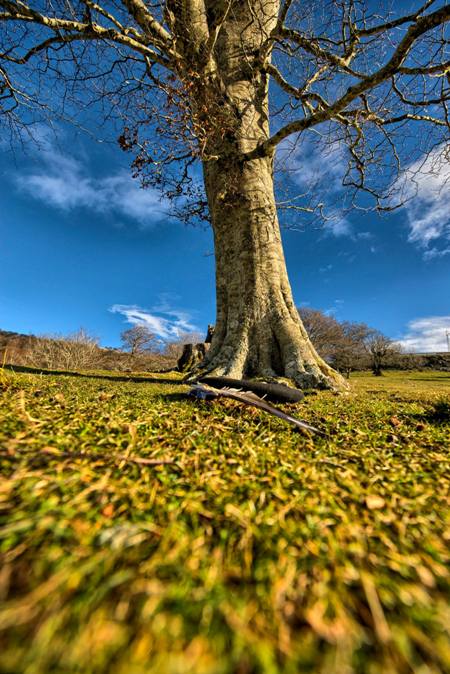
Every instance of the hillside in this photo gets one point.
(15, 345)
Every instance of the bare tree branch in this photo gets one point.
(421, 26)
(68, 30)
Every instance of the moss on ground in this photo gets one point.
(257, 550)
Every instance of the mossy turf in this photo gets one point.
(257, 550)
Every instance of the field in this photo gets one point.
(240, 547)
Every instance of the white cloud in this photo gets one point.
(338, 225)
(310, 162)
(337, 306)
(426, 187)
(426, 334)
(64, 182)
(164, 321)
(431, 253)
(317, 167)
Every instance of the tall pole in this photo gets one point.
(447, 334)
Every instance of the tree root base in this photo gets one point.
(304, 381)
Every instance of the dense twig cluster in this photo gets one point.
(357, 75)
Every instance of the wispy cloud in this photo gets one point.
(337, 224)
(337, 306)
(316, 167)
(312, 162)
(426, 334)
(426, 187)
(66, 182)
(166, 322)
(432, 253)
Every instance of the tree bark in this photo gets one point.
(192, 355)
(258, 332)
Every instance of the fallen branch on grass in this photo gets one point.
(204, 392)
(277, 393)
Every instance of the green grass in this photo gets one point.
(256, 550)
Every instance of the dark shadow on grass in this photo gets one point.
(437, 414)
(175, 397)
(87, 375)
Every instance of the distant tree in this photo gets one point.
(139, 339)
(324, 331)
(43, 353)
(78, 350)
(380, 348)
(342, 344)
(351, 353)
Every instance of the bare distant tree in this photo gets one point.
(138, 340)
(43, 352)
(324, 331)
(190, 81)
(76, 351)
(80, 350)
(380, 348)
(342, 344)
(351, 354)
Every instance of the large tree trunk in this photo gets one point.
(258, 331)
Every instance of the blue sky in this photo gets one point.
(83, 245)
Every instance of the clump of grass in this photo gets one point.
(255, 550)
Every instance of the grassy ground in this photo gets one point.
(256, 550)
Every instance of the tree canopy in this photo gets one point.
(356, 73)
